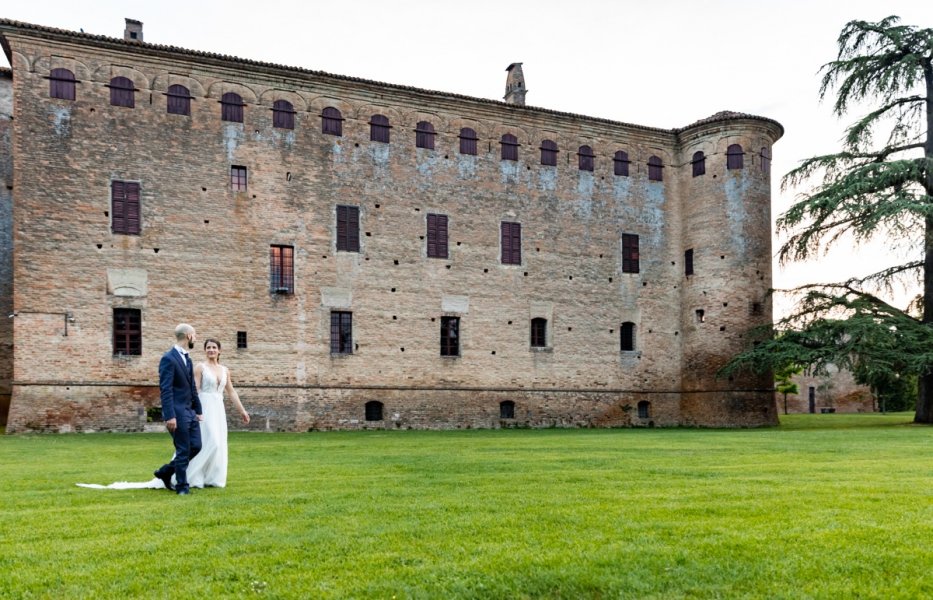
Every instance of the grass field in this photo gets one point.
(826, 506)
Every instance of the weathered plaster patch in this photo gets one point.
(380, 154)
(466, 166)
(736, 189)
(547, 178)
(233, 136)
(455, 304)
(508, 169)
(61, 120)
(127, 282)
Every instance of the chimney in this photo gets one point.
(133, 31)
(515, 85)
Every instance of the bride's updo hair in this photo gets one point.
(212, 341)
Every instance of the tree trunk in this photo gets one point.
(924, 412)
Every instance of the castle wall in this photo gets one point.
(6, 241)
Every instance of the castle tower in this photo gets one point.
(515, 85)
(725, 196)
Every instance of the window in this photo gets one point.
(586, 158)
(62, 84)
(238, 178)
(654, 169)
(627, 337)
(450, 336)
(629, 253)
(549, 153)
(424, 135)
(620, 163)
(283, 114)
(765, 159)
(348, 228)
(122, 92)
(178, 100)
(734, 157)
(688, 262)
(331, 122)
(124, 207)
(756, 309)
(231, 107)
(373, 410)
(699, 163)
(506, 409)
(127, 332)
(282, 269)
(241, 340)
(437, 236)
(509, 147)
(341, 332)
(468, 141)
(511, 243)
(379, 129)
(538, 332)
(644, 410)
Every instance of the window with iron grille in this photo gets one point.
(373, 410)
(450, 336)
(282, 269)
(688, 262)
(468, 141)
(231, 107)
(627, 337)
(655, 167)
(348, 228)
(238, 178)
(331, 122)
(241, 340)
(644, 410)
(127, 332)
(509, 147)
(424, 135)
(178, 100)
(539, 332)
(122, 92)
(549, 153)
(765, 159)
(437, 236)
(734, 157)
(124, 207)
(341, 332)
(756, 309)
(379, 129)
(283, 114)
(699, 163)
(585, 158)
(629, 253)
(511, 237)
(506, 409)
(62, 84)
(620, 163)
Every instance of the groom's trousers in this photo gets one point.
(187, 439)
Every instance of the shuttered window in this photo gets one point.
(468, 141)
(62, 84)
(348, 228)
(655, 167)
(238, 178)
(585, 158)
(231, 107)
(549, 153)
(379, 129)
(509, 147)
(627, 337)
(450, 336)
(437, 236)
(127, 332)
(341, 332)
(629, 253)
(283, 114)
(620, 163)
(424, 135)
(688, 262)
(124, 207)
(765, 159)
(511, 243)
(282, 269)
(331, 122)
(538, 332)
(178, 100)
(735, 157)
(699, 163)
(122, 92)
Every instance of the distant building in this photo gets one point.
(836, 391)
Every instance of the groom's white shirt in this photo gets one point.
(184, 354)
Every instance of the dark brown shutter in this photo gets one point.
(549, 153)
(331, 122)
(62, 84)
(511, 243)
(379, 129)
(509, 147)
(424, 135)
(699, 164)
(621, 163)
(655, 167)
(586, 158)
(630, 253)
(178, 100)
(468, 141)
(348, 228)
(734, 157)
(283, 114)
(231, 107)
(132, 208)
(122, 92)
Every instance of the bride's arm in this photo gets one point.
(231, 393)
(198, 369)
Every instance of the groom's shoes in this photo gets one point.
(183, 492)
(165, 477)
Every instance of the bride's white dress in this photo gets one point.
(209, 467)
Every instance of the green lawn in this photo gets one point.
(826, 506)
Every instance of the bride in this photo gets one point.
(209, 466)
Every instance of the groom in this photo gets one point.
(181, 408)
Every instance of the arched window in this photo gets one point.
(627, 337)
(468, 141)
(509, 147)
(654, 169)
(122, 92)
(699, 163)
(549, 153)
(620, 163)
(231, 107)
(331, 122)
(178, 100)
(506, 409)
(644, 410)
(424, 135)
(734, 157)
(62, 84)
(374, 410)
(765, 159)
(379, 129)
(539, 332)
(283, 114)
(586, 158)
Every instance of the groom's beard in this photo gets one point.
(190, 345)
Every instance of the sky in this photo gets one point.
(664, 63)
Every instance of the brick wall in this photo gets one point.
(6, 241)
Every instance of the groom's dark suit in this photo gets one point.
(180, 402)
